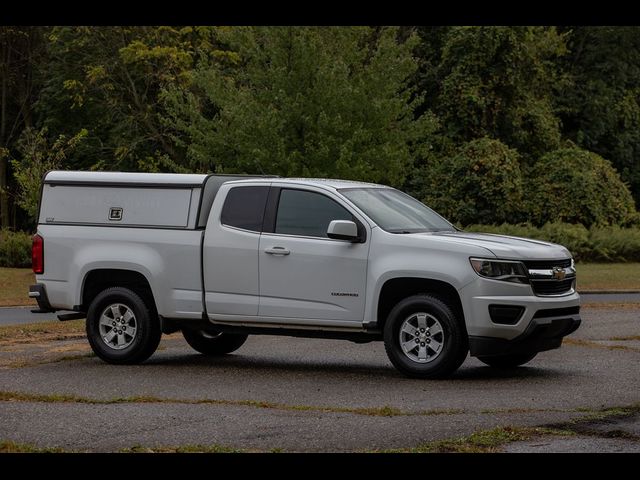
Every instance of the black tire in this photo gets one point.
(148, 332)
(212, 343)
(455, 344)
(508, 361)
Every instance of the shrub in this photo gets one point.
(576, 186)
(615, 244)
(597, 244)
(15, 249)
(482, 182)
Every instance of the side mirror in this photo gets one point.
(343, 230)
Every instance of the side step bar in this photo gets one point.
(71, 316)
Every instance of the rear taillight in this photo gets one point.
(37, 254)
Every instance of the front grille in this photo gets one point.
(552, 286)
(546, 264)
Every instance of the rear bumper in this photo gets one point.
(39, 292)
(541, 334)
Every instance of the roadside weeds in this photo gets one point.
(41, 332)
(385, 411)
(491, 441)
(483, 441)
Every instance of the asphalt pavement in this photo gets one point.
(314, 395)
(21, 315)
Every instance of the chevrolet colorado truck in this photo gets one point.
(223, 257)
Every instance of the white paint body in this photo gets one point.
(242, 284)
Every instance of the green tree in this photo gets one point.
(480, 183)
(304, 101)
(38, 156)
(600, 109)
(496, 82)
(21, 53)
(108, 80)
(577, 186)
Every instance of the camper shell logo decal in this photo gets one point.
(115, 214)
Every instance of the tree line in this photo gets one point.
(485, 124)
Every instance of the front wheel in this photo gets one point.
(213, 343)
(508, 361)
(424, 339)
(121, 327)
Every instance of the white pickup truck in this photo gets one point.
(221, 257)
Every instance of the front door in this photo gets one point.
(306, 277)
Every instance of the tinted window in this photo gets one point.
(307, 213)
(244, 207)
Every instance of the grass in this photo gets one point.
(12, 447)
(42, 331)
(14, 286)
(485, 441)
(33, 363)
(608, 276)
(608, 412)
(488, 441)
(625, 339)
(385, 411)
(592, 344)
(182, 449)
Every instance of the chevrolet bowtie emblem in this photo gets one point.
(559, 273)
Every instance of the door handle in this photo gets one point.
(277, 251)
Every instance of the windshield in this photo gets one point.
(396, 212)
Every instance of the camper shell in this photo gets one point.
(135, 200)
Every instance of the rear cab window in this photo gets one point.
(244, 207)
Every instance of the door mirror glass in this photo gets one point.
(343, 230)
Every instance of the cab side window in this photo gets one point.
(307, 213)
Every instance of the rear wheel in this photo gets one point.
(508, 361)
(213, 343)
(424, 339)
(121, 327)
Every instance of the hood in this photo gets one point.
(503, 246)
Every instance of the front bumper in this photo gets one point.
(544, 320)
(480, 294)
(541, 334)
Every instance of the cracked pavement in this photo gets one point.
(304, 384)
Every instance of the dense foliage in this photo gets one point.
(480, 182)
(486, 124)
(311, 102)
(15, 249)
(596, 244)
(576, 186)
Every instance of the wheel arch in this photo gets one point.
(99, 279)
(395, 289)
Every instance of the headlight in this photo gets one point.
(505, 270)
